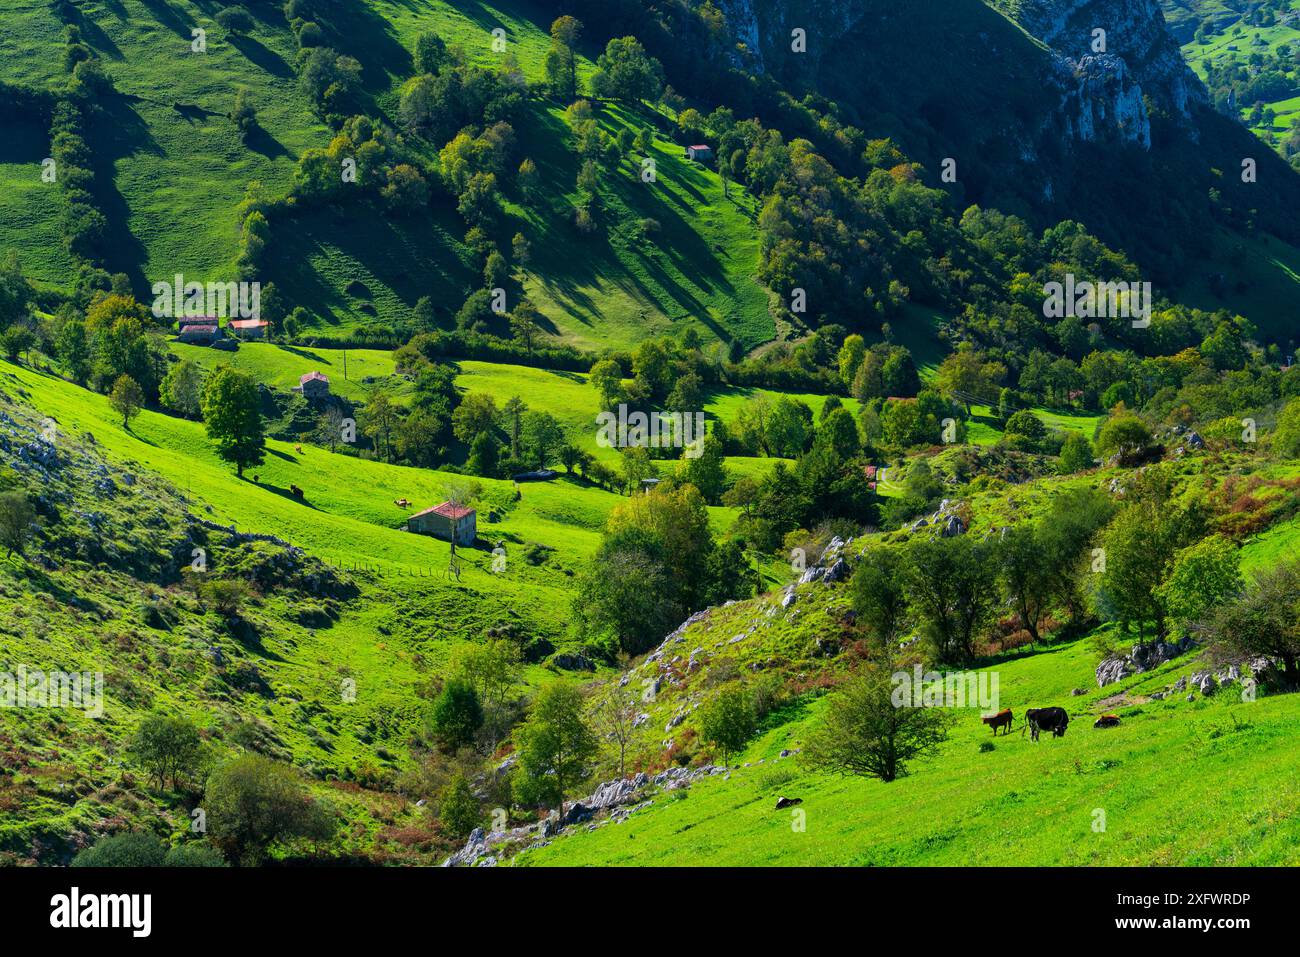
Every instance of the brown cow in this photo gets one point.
(297, 492)
(1000, 720)
(1107, 721)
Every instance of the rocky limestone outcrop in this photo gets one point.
(1136, 36)
(619, 798)
(1142, 658)
(944, 523)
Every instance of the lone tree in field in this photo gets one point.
(864, 733)
(616, 721)
(235, 20)
(562, 59)
(126, 399)
(254, 803)
(727, 721)
(625, 72)
(17, 519)
(554, 746)
(456, 715)
(1264, 621)
(168, 747)
(233, 420)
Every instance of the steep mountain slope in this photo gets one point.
(173, 170)
(1095, 797)
(1037, 122)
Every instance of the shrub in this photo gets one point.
(168, 747)
(459, 810)
(456, 715)
(727, 721)
(255, 803)
(132, 849)
(193, 855)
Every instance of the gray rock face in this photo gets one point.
(620, 798)
(1204, 682)
(1141, 658)
(1136, 35)
(573, 662)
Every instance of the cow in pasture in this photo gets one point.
(297, 492)
(401, 503)
(1107, 721)
(1000, 720)
(298, 449)
(1054, 720)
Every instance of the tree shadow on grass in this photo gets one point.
(116, 133)
(360, 32)
(260, 141)
(261, 56)
(286, 494)
(170, 18)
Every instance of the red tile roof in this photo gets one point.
(447, 510)
(310, 376)
(248, 323)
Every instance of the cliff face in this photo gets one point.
(1089, 95)
(1039, 121)
(1136, 33)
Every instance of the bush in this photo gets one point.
(255, 803)
(132, 849)
(459, 810)
(235, 20)
(456, 715)
(193, 855)
(727, 721)
(1076, 453)
(168, 747)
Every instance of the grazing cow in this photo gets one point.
(256, 477)
(784, 802)
(1107, 721)
(1000, 720)
(297, 492)
(1054, 720)
(298, 449)
(401, 503)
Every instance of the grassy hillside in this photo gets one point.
(173, 170)
(1227, 39)
(1220, 761)
(1020, 804)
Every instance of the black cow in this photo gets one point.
(1054, 720)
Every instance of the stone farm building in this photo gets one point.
(249, 328)
(313, 385)
(699, 153)
(199, 330)
(450, 522)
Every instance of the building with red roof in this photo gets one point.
(198, 330)
(448, 521)
(313, 385)
(249, 328)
